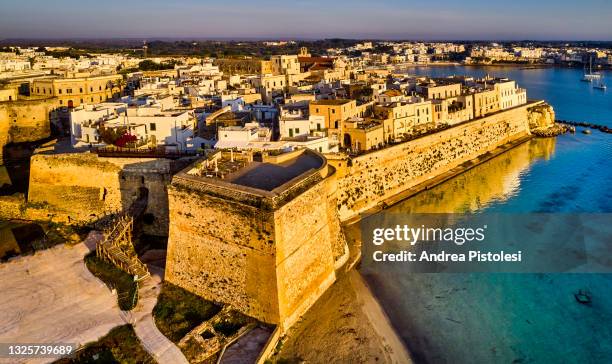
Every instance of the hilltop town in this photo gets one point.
(229, 182)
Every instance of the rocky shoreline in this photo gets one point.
(602, 128)
(553, 131)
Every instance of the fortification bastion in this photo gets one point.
(367, 180)
(263, 237)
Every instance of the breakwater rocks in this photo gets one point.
(553, 131)
(602, 128)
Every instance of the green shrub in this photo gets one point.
(114, 278)
(120, 345)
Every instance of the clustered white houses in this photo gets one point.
(326, 103)
(150, 125)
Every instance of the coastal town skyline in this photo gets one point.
(397, 182)
(388, 20)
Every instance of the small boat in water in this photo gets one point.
(583, 296)
(586, 131)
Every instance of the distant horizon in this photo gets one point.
(483, 20)
(297, 39)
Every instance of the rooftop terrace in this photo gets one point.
(268, 176)
(267, 173)
(266, 181)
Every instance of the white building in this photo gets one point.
(149, 124)
(249, 136)
(510, 95)
(85, 119)
(297, 127)
(235, 102)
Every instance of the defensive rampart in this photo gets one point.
(83, 186)
(367, 180)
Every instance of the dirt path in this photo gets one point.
(154, 342)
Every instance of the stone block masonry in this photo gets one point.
(25, 120)
(77, 187)
(369, 179)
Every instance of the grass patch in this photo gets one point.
(178, 311)
(114, 278)
(120, 345)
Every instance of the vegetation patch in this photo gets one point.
(231, 323)
(120, 345)
(116, 279)
(178, 311)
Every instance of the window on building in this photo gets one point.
(68, 90)
(318, 126)
(333, 111)
(59, 91)
(80, 89)
(152, 126)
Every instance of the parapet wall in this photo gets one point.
(365, 181)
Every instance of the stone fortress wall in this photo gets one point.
(269, 254)
(368, 180)
(82, 186)
(25, 120)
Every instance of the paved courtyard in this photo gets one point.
(51, 297)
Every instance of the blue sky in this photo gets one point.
(391, 19)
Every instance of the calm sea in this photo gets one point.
(515, 318)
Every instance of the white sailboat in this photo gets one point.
(590, 76)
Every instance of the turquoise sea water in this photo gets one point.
(515, 318)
